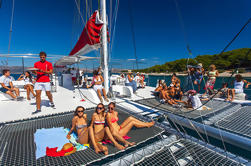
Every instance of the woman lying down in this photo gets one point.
(103, 126)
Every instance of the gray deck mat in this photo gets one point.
(17, 145)
(193, 154)
(238, 122)
(213, 104)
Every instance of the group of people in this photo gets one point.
(42, 70)
(134, 81)
(104, 126)
(172, 94)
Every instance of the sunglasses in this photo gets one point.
(80, 111)
(100, 108)
(110, 108)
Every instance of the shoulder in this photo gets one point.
(37, 63)
(74, 118)
(49, 63)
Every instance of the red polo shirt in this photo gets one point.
(45, 66)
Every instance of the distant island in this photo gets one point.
(238, 58)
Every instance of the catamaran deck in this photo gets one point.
(65, 100)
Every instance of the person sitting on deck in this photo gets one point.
(120, 131)
(7, 85)
(130, 81)
(238, 87)
(212, 74)
(194, 102)
(97, 85)
(159, 86)
(79, 124)
(198, 75)
(175, 88)
(99, 131)
(139, 80)
(223, 91)
(29, 83)
(74, 76)
(165, 96)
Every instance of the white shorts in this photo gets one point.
(238, 90)
(97, 87)
(46, 86)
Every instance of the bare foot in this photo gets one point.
(150, 124)
(120, 147)
(105, 150)
(97, 150)
(129, 144)
(106, 100)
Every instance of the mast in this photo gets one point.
(104, 52)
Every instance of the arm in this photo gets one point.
(11, 85)
(72, 128)
(21, 77)
(248, 83)
(5, 86)
(130, 78)
(217, 73)
(108, 119)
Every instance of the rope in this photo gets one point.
(133, 32)
(10, 33)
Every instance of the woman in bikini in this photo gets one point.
(212, 74)
(97, 85)
(119, 131)
(98, 131)
(165, 95)
(79, 122)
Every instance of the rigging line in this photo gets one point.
(133, 32)
(243, 27)
(11, 24)
(114, 25)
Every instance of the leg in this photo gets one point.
(48, 93)
(123, 131)
(128, 120)
(38, 99)
(32, 91)
(95, 138)
(104, 93)
(110, 136)
(233, 94)
(121, 139)
(17, 91)
(83, 138)
(28, 92)
(11, 94)
(99, 96)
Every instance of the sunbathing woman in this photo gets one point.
(98, 131)
(119, 131)
(29, 83)
(79, 122)
(212, 74)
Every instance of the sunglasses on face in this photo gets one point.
(110, 108)
(99, 108)
(80, 111)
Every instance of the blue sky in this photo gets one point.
(54, 26)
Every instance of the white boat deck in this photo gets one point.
(65, 100)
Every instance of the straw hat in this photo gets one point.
(129, 71)
(191, 91)
(68, 146)
(200, 64)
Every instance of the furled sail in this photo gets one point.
(90, 37)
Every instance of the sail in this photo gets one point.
(90, 37)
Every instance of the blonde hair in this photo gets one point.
(212, 66)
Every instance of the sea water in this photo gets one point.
(152, 81)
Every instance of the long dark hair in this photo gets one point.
(112, 103)
(30, 76)
(103, 107)
(76, 110)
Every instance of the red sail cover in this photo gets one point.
(90, 36)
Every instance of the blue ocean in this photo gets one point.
(152, 80)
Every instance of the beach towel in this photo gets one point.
(52, 138)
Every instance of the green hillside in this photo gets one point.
(228, 60)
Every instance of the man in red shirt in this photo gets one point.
(43, 80)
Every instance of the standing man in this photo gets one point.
(43, 80)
